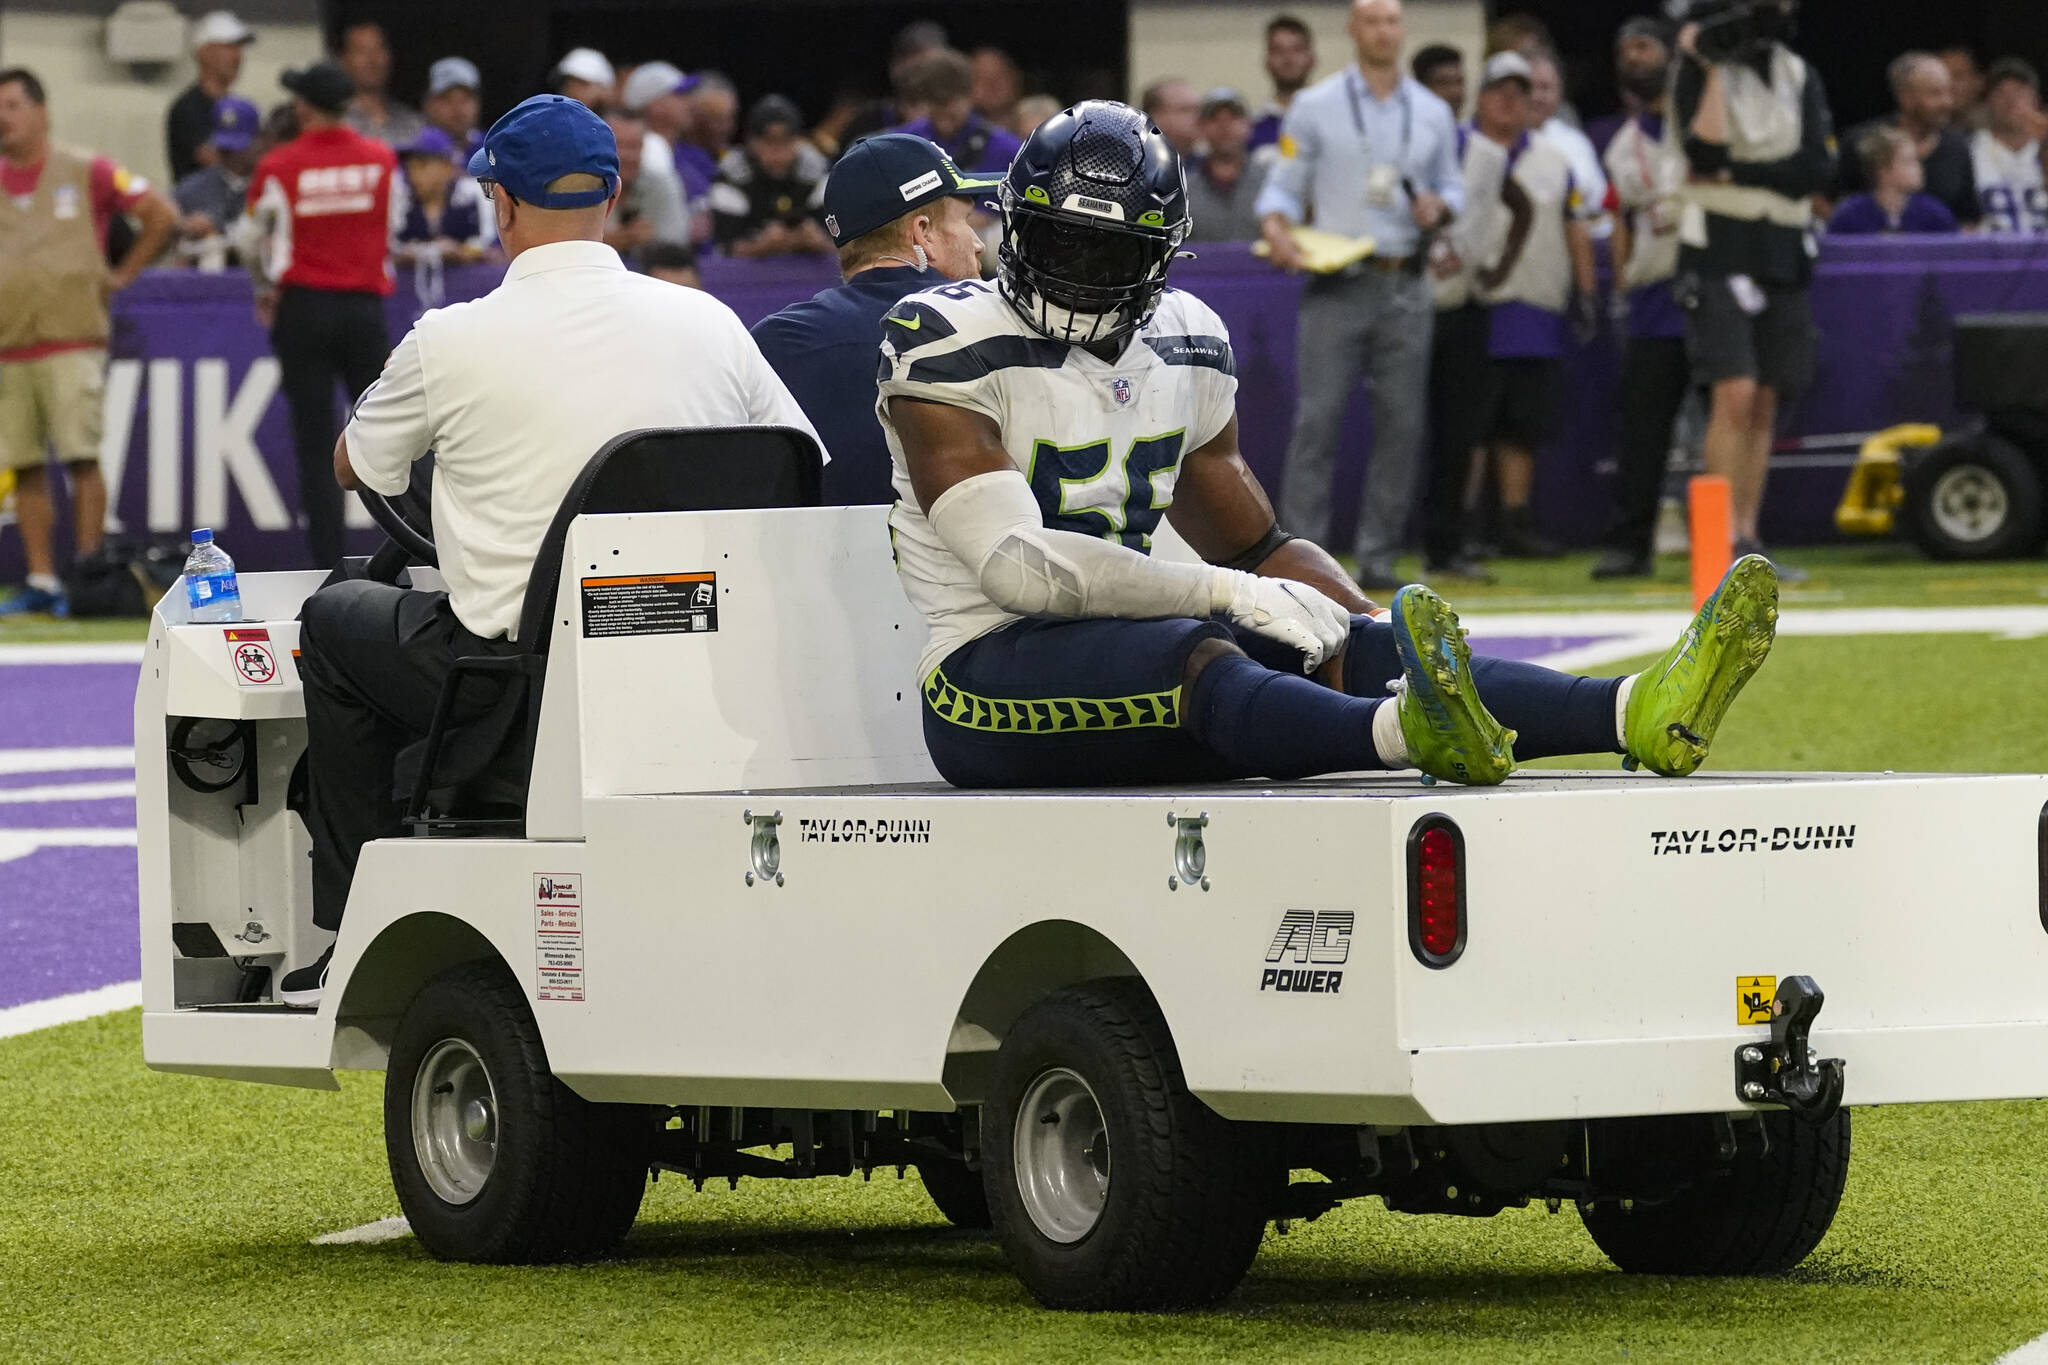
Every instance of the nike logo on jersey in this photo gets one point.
(912, 323)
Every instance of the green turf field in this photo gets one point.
(1864, 703)
(167, 1219)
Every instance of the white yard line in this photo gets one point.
(103, 653)
(1636, 633)
(69, 1009)
(65, 760)
(2034, 1352)
(383, 1230)
(2014, 623)
(66, 791)
(19, 843)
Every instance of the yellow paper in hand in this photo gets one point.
(1322, 252)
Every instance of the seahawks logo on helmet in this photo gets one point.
(1094, 207)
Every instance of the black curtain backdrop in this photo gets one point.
(809, 50)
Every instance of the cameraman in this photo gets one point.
(1759, 143)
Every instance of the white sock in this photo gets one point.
(46, 582)
(1386, 730)
(1628, 685)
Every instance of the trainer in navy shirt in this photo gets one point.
(898, 210)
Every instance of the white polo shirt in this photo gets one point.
(515, 391)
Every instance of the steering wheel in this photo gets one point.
(407, 519)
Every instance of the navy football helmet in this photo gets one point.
(1094, 207)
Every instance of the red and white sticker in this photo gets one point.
(254, 657)
(558, 935)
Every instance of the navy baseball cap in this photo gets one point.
(542, 139)
(882, 178)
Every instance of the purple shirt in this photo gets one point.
(1265, 130)
(1522, 330)
(1861, 213)
(978, 146)
(696, 168)
(1654, 312)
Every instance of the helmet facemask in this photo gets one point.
(1079, 281)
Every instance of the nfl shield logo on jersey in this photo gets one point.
(1121, 389)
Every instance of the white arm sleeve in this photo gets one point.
(992, 524)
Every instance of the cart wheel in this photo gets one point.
(1112, 1187)
(494, 1159)
(957, 1192)
(1761, 1215)
(1978, 497)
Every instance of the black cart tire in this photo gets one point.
(1126, 1192)
(494, 1160)
(958, 1194)
(1762, 1215)
(1978, 497)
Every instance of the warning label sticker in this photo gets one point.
(254, 657)
(1753, 996)
(558, 935)
(650, 604)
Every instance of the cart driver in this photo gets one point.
(513, 392)
(1041, 426)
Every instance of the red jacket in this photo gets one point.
(325, 199)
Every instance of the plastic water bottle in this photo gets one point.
(209, 581)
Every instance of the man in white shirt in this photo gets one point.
(513, 392)
(2007, 152)
(1546, 94)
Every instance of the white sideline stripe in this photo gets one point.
(383, 1230)
(2013, 622)
(1637, 633)
(109, 652)
(2034, 1352)
(67, 791)
(65, 760)
(69, 1009)
(19, 843)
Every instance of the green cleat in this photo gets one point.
(1677, 703)
(1448, 730)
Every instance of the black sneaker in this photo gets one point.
(1623, 564)
(1378, 573)
(1519, 538)
(303, 987)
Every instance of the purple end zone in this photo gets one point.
(67, 923)
(1527, 647)
(51, 706)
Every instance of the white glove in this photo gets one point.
(1281, 609)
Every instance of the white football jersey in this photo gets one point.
(1100, 442)
(2009, 184)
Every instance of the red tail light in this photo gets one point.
(1436, 891)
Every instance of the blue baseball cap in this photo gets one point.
(235, 123)
(882, 178)
(539, 141)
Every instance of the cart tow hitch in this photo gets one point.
(1785, 1070)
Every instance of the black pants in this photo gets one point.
(372, 658)
(1459, 384)
(323, 336)
(1656, 374)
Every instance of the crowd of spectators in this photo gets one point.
(748, 186)
(702, 172)
(706, 170)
